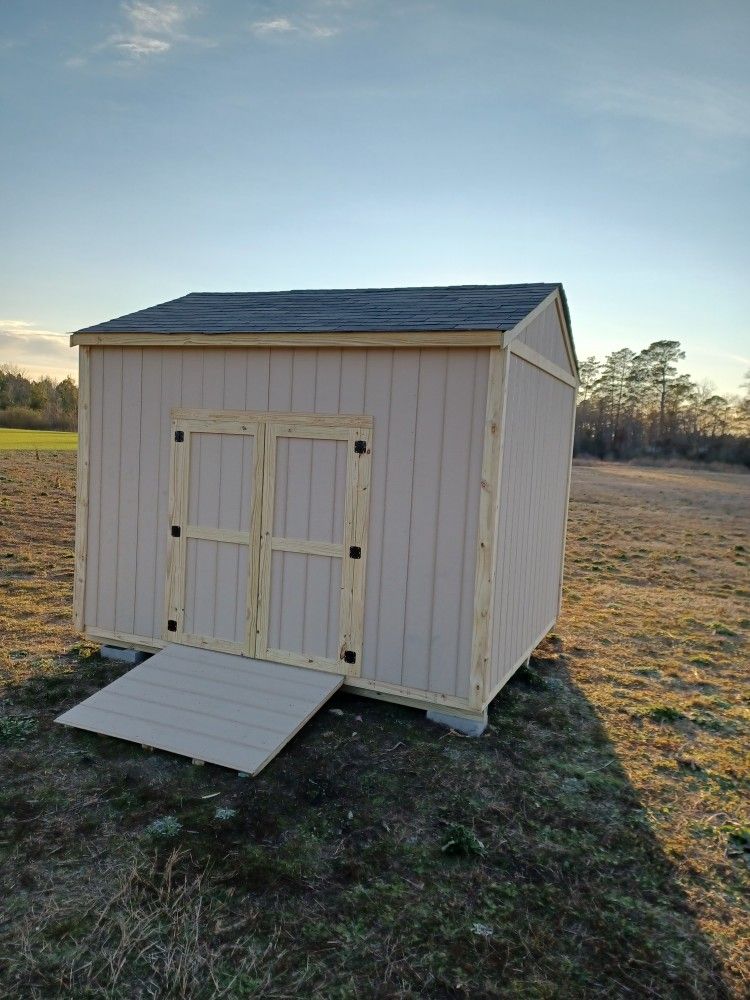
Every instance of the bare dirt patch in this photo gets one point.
(589, 845)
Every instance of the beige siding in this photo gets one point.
(544, 334)
(428, 408)
(533, 495)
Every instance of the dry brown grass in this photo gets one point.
(610, 794)
(656, 616)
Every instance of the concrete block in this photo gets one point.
(461, 723)
(131, 656)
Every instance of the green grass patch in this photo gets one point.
(12, 439)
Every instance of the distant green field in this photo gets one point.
(14, 440)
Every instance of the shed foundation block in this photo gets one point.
(461, 723)
(131, 656)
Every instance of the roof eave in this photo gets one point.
(329, 338)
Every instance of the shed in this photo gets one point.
(283, 492)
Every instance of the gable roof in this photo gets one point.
(385, 310)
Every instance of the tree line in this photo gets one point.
(38, 404)
(637, 404)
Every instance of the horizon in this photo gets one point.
(162, 148)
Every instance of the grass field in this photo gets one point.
(593, 843)
(20, 440)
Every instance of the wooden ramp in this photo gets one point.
(208, 706)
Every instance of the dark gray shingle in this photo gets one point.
(387, 310)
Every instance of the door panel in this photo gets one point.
(216, 582)
(311, 585)
(315, 494)
(221, 480)
(212, 566)
(310, 493)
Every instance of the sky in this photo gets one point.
(149, 149)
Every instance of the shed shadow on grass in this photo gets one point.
(331, 866)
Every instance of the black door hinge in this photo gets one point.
(355, 552)
(176, 531)
(179, 435)
(360, 447)
(171, 625)
(350, 656)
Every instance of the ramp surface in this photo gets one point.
(209, 706)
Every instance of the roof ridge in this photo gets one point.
(382, 288)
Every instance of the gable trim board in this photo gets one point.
(510, 337)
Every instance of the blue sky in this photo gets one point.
(151, 149)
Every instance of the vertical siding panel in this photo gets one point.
(327, 381)
(455, 461)
(192, 396)
(205, 556)
(210, 466)
(211, 478)
(280, 380)
(233, 563)
(148, 494)
(423, 522)
(96, 412)
(396, 543)
(376, 399)
(235, 380)
(130, 470)
(535, 467)
(300, 501)
(110, 488)
(235, 472)
(258, 378)
(353, 381)
(191, 393)
(171, 397)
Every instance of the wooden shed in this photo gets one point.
(283, 492)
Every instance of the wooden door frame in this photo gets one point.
(267, 427)
(189, 422)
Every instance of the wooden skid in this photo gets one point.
(207, 706)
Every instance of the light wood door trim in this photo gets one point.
(307, 547)
(213, 418)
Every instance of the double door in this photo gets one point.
(268, 535)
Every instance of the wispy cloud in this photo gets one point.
(35, 350)
(301, 26)
(150, 28)
(274, 26)
(700, 106)
(146, 30)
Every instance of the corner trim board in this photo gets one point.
(487, 528)
(82, 485)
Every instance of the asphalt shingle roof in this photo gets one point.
(387, 310)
